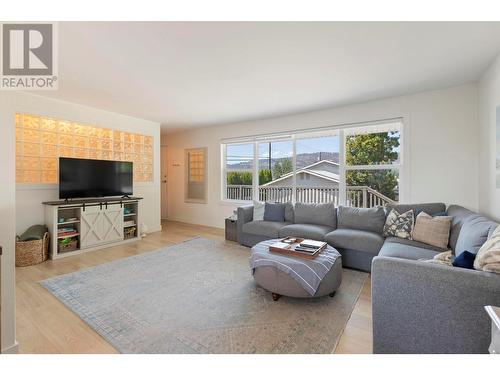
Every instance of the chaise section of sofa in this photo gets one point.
(420, 307)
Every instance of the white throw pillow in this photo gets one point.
(258, 210)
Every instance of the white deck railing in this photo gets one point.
(357, 196)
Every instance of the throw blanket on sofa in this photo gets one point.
(488, 256)
(307, 272)
(445, 258)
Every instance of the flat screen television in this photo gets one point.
(85, 178)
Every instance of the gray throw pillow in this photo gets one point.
(274, 212)
(473, 234)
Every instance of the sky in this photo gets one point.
(280, 149)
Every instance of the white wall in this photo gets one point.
(441, 157)
(21, 207)
(7, 227)
(489, 99)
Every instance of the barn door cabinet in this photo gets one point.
(100, 225)
(81, 226)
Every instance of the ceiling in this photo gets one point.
(184, 74)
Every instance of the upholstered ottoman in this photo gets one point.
(284, 275)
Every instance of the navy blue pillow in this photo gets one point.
(274, 212)
(465, 260)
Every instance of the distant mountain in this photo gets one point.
(303, 160)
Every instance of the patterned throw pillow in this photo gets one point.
(399, 225)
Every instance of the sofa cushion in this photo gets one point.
(321, 214)
(432, 230)
(264, 228)
(428, 208)
(412, 243)
(399, 225)
(460, 215)
(354, 239)
(289, 212)
(274, 212)
(473, 234)
(367, 219)
(309, 231)
(399, 250)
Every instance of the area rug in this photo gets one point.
(199, 297)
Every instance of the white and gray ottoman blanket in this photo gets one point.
(307, 272)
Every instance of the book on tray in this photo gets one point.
(311, 244)
(281, 245)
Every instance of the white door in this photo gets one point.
(112, 223)
(163, 167)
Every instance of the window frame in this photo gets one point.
(340, 131)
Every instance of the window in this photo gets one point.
(40, 141)
(372, 165)
(239, 171)
(196, 175)
(358, 166)
(276, 171)
(317, 162)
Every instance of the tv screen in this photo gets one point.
(83, 178)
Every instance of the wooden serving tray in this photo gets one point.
(298, 254)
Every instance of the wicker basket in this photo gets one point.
(29, 253)
(67, 247)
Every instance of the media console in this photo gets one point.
(83, 225)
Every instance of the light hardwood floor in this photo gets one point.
(45, 325)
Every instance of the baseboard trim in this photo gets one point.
(192, 222)
(14, 349)
(155, 229)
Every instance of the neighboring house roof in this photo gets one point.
(327, 175)
(321, 162)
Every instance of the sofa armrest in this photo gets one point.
(421, 307)
(245, 215)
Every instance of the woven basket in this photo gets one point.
(29, 253)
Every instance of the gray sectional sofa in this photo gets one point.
(418, 307)
(355, 233)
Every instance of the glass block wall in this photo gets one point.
(40, 141)
(197, 166)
